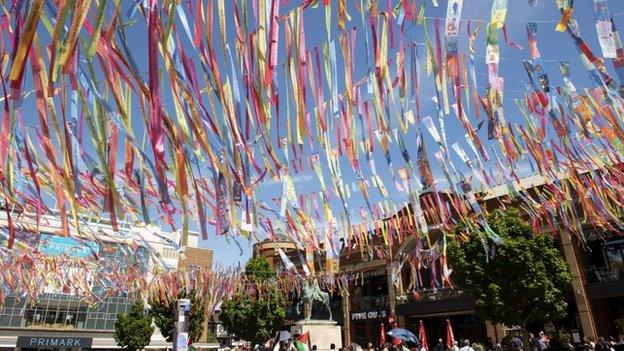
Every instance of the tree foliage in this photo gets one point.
(259, 270)
(134, 330)
(255, 318)
(524, 279)
(164, 313)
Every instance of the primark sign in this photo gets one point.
(53, 341)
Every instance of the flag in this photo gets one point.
(395, 341)
(303, 342)
(288, 264)
(426, 176)
(422, 335)
(382, 335)
(450, 338)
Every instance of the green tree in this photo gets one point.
(134, 330)
(164, 313)
(259, 270)
(522, 281)
(255, 318)
(210, 338)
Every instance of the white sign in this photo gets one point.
(358, 316)
(182, 342)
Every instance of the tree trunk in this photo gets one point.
(525, 338)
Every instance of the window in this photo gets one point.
(169, 253)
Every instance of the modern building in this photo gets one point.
(59, 319)
(603, 264)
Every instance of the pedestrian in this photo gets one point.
(569, 346)
(545, 340)
(602, 345)
(517, 343)
(507, 344)
(589, 345)
(535, 346)
(466, 346)
(440, 346)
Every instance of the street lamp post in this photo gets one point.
(180, 329)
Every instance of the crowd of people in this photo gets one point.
(602, 344)
(542, 342)
(538, 342)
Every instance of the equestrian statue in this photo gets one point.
(311, 292)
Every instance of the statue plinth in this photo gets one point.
(323, 333)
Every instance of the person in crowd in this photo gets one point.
(455, 346)
(517, 343)
(602, 345)
(497, 347)
(440, 346)
(589, 345)
(569, 347)
(534, 342)
(543, 343)
(466, 346)
(313, 347)
(506, 343)
(332, 346)
(545, 340)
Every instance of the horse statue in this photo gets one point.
(309, 294)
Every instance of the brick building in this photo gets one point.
(596, 300)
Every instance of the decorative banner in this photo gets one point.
(604, 29)
(222, 208)
(531, 28)
(205, 134)
(453, 18)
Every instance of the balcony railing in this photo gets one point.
(369, 303)
(603, 274)
(429, 295)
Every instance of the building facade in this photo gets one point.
(377, 296)
(58, 318)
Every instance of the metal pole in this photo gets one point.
(180, 328)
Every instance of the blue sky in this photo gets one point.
(554, 46)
